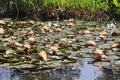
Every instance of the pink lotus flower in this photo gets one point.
(71, 24)
(31, 32)
(45, 28)
(58, 30)
(17, 44)
(20, 32)
(31, 39)
(54, 48)
(87, 32)
(26, 46)
(74, 40)
(92, 43)
(2, 31)
(103, 57)
(7, 39)
(31, 22)
(63, 40)
(98, 52)
(43, 54)
(103, 35)
(2, 22)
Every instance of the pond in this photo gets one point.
(66, 50)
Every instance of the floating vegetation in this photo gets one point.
(47, 45)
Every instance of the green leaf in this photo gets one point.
(116, 2)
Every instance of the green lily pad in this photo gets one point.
(69, 61)
(22, 66)
(117, 62)
(56, 57)
(8, 56)
(5, 65)
(71, 57)
(113, 57)
(2, 49)
(103, 64)
(14, 60)
(20, 51)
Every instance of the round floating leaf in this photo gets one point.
(26, 66)
(5, 65)
(113, 57)
(117, 62)
(20, 51)
(2, 49)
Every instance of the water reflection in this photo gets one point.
(8, 74)
(80, 72)
(89, 72)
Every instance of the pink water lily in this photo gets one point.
(27, 46)
(2, 22)
(58, 30)
(2, 31)
(31, 39)
(45, 28)
(31, 32)
(31, 22)
(87, 32)
(63, 40)
(17, 44)
(92, 43)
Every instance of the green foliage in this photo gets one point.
(95, 4)
(116, 7)
(92, 5)
(116, 3)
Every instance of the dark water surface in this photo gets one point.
(83, 71)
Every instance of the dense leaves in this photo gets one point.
(56, 9)
(50, 44)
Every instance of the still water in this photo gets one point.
(82, 71)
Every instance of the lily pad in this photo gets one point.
(20, 51)
(2, 49)
(55, 57)
(103, 64)
(117, 62)
(68, 61)
(26, 66)
(8, 56)
(113, 57)
(5, 65)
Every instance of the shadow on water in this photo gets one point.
(78, 72)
